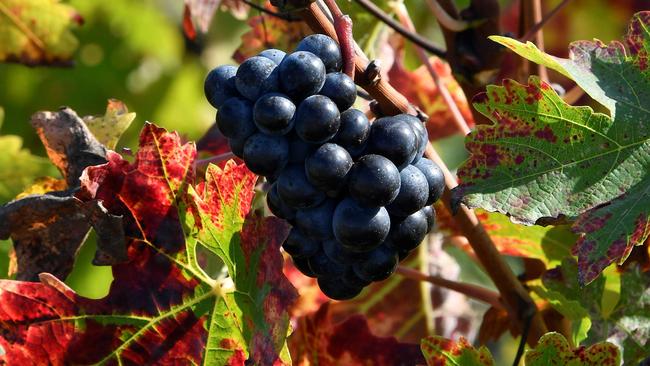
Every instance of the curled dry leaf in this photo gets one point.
(108, 128)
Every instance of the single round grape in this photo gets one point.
(299, 150)
(219, 85)
(273, 54)
(299, 245)
(266, 155)
(301, 74)
(359, 228)
(302, 264)
(295, 190)
(413, 192)
(237, 146)
(277, 206)
(317, 119)
(325, 267)
(328, 166)
(420, 132)
(435, 178)
(336, 290)
(430, 214)
(353, 132)
(341, 89)
(273, 113)
(408, 232)
(379, 264)
(393, 139)
(255, 77)
(352, 279)
(325, 48)
(316, 222)
(374, 181)
(402, 254)
(235, 118)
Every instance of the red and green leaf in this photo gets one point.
(553, 349)
(543, 160)
(162, 307)
(440, 351)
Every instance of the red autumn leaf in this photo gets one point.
(318, 340)
(199, 13)
(162, 307)
(213, 142)
(418, 87)
(269, 32)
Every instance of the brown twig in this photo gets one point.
(446, 20)
(572, 96)
(411, 36)
(213, 159)
(473, 291)
(530, 14)
(260, 8)
(530, 34)
(515, 298)
(457, 117)
(343, 28)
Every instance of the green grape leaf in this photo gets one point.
(440, 351)
(571, 309)
(553, 349)
(626, 323)
(108, 128)
(162, 307)
(37, 32)
(543, 161)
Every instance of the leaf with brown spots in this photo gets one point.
(318, 340)
(440, 351)
(37, 32)
(162, 307)
(543, 161)
(553, 349)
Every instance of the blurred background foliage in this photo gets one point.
(135, 51)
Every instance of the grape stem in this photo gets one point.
(213, 159)
(411, 36)
(445, 19)
(457, 117)
(343, 28)
(472, 291)
(516, 299)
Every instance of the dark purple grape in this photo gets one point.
(317, 119)
(325, 48)
(273, 54)
(235, 119)
(298, 245)
(420, 132)
(273, 113)
(408, 232)
(328, 166)
(378, 265)
(352, 279)
(277, 206)
(302, 264)
(374, 181)
(338, 253)
(301, 74)
(335, 289)
(430, 214)
(413, 193)
(295, 190)
(341, 89)
(435, 178)
(266, 155)
(394, 139)
(316, 222)
(353, 132)
(298, 149)
(219, 85)
(325, 267)
(360, 228)
(237, 146)
(255, 77)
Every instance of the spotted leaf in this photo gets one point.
(440, 351)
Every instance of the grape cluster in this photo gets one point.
(358, 195)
